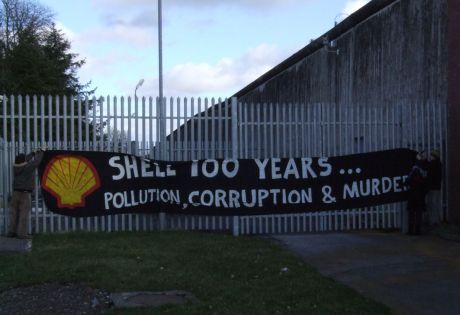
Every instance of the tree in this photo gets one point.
(35, 57)
(18, 15)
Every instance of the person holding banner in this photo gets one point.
(23, 185)
(434, 186)
(418, 188)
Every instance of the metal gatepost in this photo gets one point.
(163, 153)
(234, 121)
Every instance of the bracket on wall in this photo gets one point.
(331, 45)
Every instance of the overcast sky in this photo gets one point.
(210, 47)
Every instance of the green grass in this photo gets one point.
(448, 228)
(229, 275)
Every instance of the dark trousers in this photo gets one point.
(416, 207)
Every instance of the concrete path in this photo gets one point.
(11, 245)
(411, 274)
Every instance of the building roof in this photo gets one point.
(354, 19)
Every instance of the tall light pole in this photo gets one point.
(160, 52)
(162, 112)
(161, 215)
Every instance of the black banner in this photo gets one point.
(81, 183)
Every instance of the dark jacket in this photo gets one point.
(24, 173)
(418, 177)
(434, 174)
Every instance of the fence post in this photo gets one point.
(234, 124)
(4, 213)
(162, 113)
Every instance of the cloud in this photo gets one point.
(144, 13)
(121, 33)
(68, 33)
(105, 65)
(145, 18)
(259, 4)
(225, 75)
(220, 79)
(353, 5)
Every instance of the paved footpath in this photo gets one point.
(11, 245)
(411, 274)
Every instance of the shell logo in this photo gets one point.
(70, 179)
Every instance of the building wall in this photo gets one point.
(398, 54)
(454, 112)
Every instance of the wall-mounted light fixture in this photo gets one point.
(331, 45)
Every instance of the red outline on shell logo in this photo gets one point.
(68, 181)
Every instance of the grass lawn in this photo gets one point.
(229, 275)
(449, 228)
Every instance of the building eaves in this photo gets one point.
(354, 19)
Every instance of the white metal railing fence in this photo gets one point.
(270, 130)
(185, 129)
(126, 125)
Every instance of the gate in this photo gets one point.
(185, 129)
(293, 130)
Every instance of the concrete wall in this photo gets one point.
(398, 54)
(454, 111)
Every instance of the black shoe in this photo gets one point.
(24, 237)
(11, 234)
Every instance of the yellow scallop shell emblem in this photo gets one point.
(70, 178)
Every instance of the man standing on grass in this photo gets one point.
(417, 182)
(23, 185)
(434, 186)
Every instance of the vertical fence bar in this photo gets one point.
(144, 131)
(95, 104)
(192, 129)
(28, 147)
(264, 125)
(199, 139)
(258, 123)
(87, 124)
(171, 129)
(251, 121)
(12, 125)
(27, 121)
(283, 131)
(80, 146)
(276, 131)
(180, 146)
(20, 135)
(4, 171)
(151, 125)
(65, 143)
(79, 121)
(57, 140)
(234, 141)
(271, 131)
(36, 144)
(43, 143)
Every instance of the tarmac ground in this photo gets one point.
(410, 274)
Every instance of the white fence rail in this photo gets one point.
(185, 129)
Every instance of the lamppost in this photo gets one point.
(160, 52)
(139, 84)
(162, 111)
